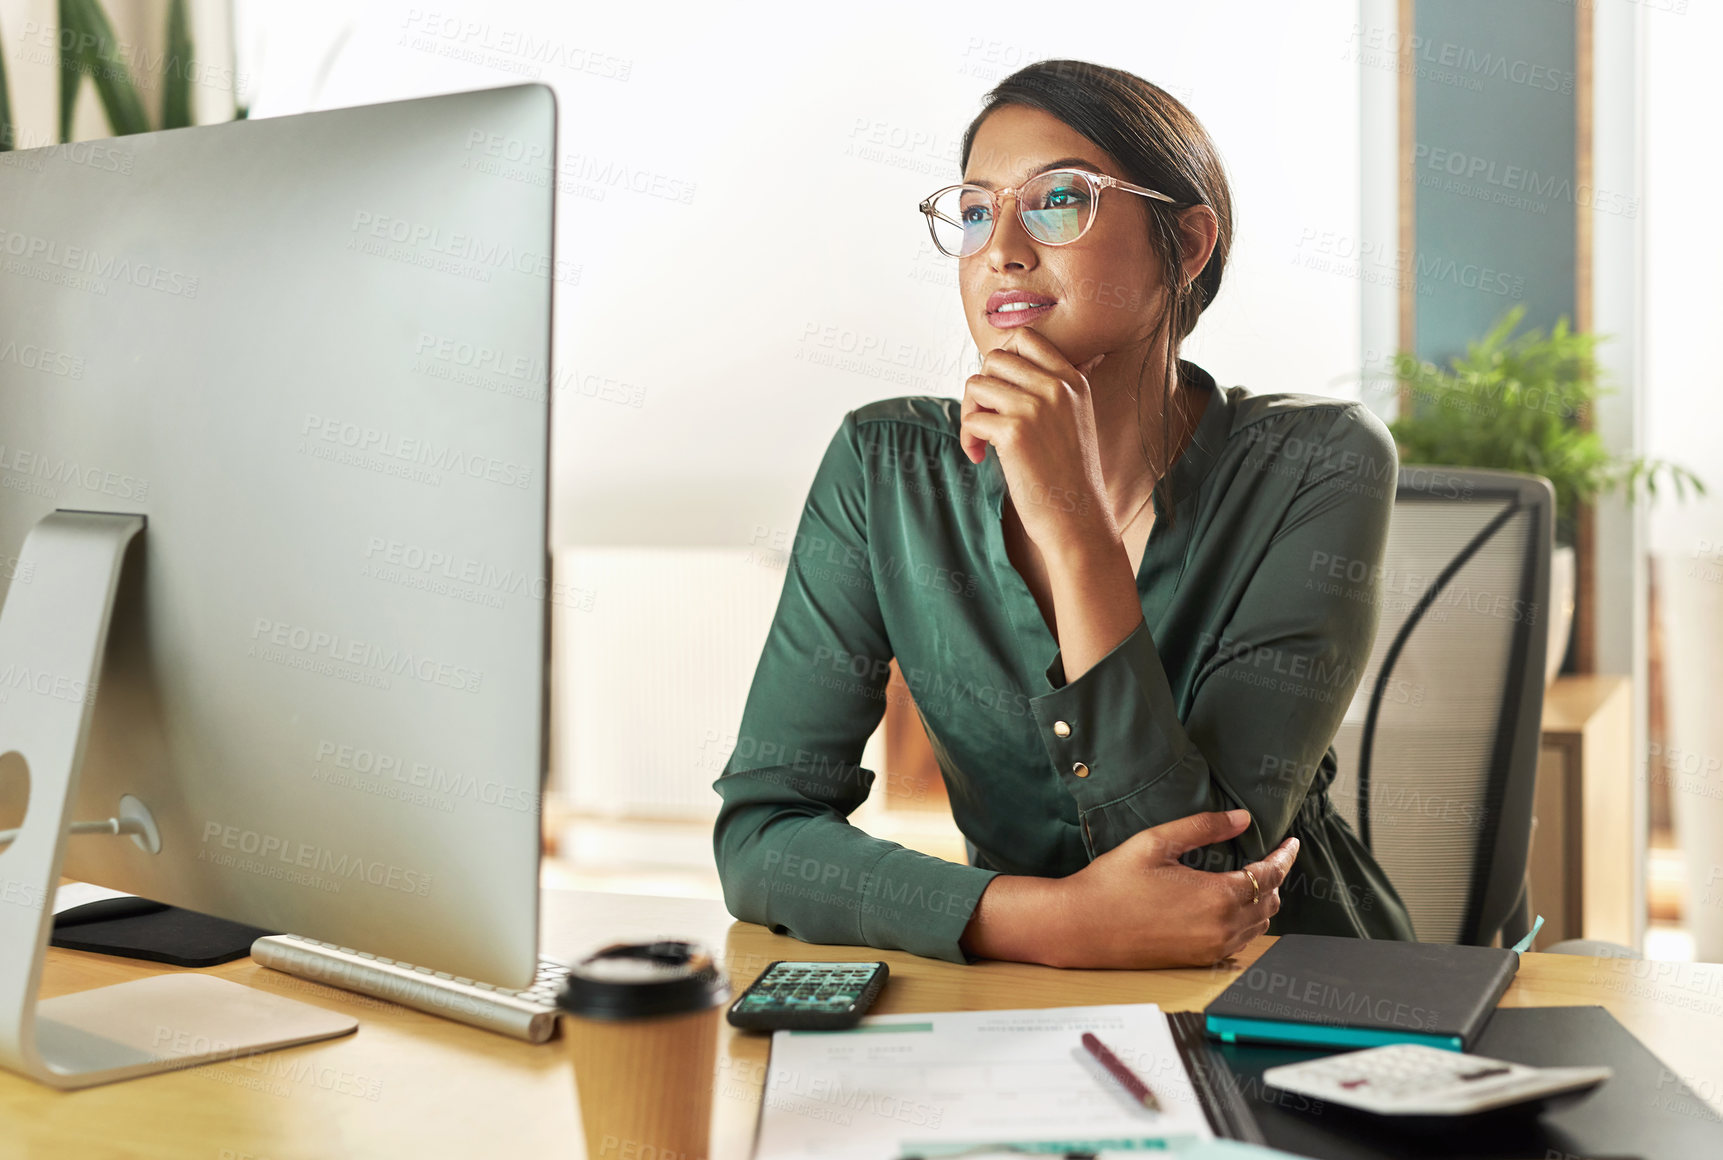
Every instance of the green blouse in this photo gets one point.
(1228, 694)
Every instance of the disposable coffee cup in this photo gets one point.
(640, 1024)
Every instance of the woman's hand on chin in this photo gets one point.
(1137, 906)
(1036, 410)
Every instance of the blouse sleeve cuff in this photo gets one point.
(1115, 729)
(921, 904)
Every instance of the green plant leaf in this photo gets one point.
(1515, 401)
(176, 83)
(7, 138)
(71, 69)
(86, 33)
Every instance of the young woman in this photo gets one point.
(1104, 578)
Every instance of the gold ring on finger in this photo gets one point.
(1255, 888)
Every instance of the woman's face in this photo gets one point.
(1105, 285)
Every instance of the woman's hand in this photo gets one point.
(1138, 906)
(1034, 407)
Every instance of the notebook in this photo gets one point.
(1330, 991)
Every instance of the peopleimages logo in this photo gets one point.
(375, 767)
(40, 358)
(22, 678)
(483, 253)
(398, 562)
(332, 646)
(426, 453)
(106, 267)
(1314, 997)
(304, 856)
(36, 467)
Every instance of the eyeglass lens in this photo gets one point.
(1056, 208)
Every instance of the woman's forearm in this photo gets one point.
(1095, 603)
(1021, 919)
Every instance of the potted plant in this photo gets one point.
(1515, 402)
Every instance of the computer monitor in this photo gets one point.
(309, 357)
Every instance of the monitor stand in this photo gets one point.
(56, 622)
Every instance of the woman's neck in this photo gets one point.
(1128, 420)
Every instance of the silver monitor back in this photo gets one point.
(314, 352)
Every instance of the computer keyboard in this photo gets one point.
(530, 1014)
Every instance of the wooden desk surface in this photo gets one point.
(412, 1085)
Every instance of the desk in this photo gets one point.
(412, 1085)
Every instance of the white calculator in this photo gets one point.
(1411, 1080)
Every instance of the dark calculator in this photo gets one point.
(805, 996)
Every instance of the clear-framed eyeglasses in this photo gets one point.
(1056, 208)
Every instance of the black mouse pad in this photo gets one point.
(172, 935)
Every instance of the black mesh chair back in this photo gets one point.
(1438, 753)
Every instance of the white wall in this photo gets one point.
(1683, 236)
(707, 309)
(1683, 288)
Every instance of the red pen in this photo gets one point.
(1138, 1089)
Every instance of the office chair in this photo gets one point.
(1438, 752)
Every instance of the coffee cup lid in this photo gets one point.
(631, 980)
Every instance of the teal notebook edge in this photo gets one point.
(1336, 992)
(1274, 1031)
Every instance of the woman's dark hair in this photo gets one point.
(1158, 143)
